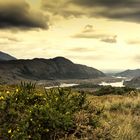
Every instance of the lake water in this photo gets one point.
(113, 84)
(103, 83)
(62, 85)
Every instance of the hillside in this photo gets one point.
(135, 82)
(129, 73)
(46, 69)
(6, 57)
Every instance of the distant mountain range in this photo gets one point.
(6, 57)
(45, 69)
(129, 73)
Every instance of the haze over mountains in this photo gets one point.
(45, 69)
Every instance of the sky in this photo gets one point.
(104, 34)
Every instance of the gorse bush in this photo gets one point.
(27, 113)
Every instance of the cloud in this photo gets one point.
(137, 58)
(89, 33)
(105, 3)
(80, 49)
(125, 10)
(88, 28)
(62, 7)
(9, 38)
(111, 39)
(18, 14)
(133, 42)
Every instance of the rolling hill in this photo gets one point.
(46, 69)
(129, 73)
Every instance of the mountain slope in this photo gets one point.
(135, 82)
(45, 69)
(6, 57)
(129, 73)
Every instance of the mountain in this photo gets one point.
(135, 82)
(46, 69)
(129, 73)
(6, 57)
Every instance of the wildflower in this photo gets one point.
(9, 131)
(17, 90)
(1, 98)
(7, 92)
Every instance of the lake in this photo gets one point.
(113, 84)
(62, 85)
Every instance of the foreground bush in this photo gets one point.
(28, 113)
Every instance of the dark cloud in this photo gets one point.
(106, 3)
(61, 7)
(90, 33)
(17, 14)
(125, 10)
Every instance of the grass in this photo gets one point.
(122, 113)
(28, 112)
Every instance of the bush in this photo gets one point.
(107, 90)
(27, 113)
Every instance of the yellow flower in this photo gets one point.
(7, 92)
(9, 131)
(47, 130)
(17, 90)
(1, 98)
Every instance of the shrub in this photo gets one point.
(29, 114)
(107, 90)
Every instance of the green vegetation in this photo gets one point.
(29, 112)
(108, 90)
